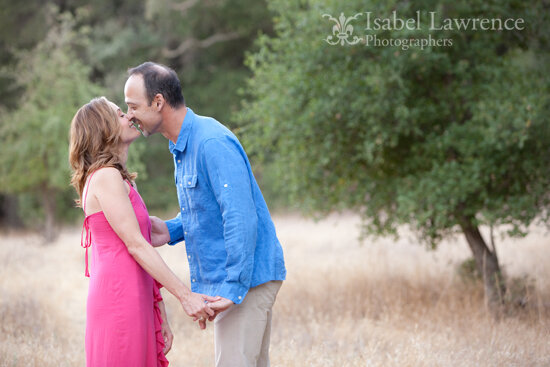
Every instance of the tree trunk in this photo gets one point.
(487, 265)
(9, 212)
(48, 201)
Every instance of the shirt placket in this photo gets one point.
(186, 218)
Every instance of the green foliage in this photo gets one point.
(205, 43)
(108, 38)
(21, 27)
(155, 174)
(34, 136)
(430, 137)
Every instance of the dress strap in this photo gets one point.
(86, 239)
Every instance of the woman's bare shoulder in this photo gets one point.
(107, 177)
(108, 173)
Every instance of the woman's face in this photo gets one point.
(128, 132)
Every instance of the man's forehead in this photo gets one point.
(134, 88)
(135, 81)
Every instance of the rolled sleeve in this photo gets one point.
(175, 228)
(226, 166)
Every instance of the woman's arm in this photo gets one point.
(113, 199)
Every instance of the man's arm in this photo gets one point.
(175, 230)
(159, 232)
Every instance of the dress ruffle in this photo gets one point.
(161, 358)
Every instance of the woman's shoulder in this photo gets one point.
(107, 175)
(108, 179)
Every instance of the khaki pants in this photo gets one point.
(242, 332)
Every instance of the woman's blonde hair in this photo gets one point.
(94, 143)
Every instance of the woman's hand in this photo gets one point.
(166, 331)
(168, 337)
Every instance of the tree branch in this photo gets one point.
(183, 7)
(191, 43)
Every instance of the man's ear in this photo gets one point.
(158, 102)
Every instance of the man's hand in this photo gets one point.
(159, 232)
(195, 305)
(218, 306)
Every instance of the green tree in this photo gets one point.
(34, 136)
(443, 139)
(203, 41)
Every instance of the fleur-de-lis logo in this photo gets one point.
(342, 30)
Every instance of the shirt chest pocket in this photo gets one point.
(189, 181)
(193, 192)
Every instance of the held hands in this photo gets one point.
(202, 307)
(195, 305)
(159, 232)
(218, 306)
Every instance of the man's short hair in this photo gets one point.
(161, 79)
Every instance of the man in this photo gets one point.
(232, 248)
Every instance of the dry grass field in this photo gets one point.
(345, 303)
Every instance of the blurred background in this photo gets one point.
(57, 55)
(426, 166)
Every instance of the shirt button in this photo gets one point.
(188, 256)
(225, 185)
(181, 185)
(189, 182)
(179, 160)
(182, 209)
(185, 233)
(240, 297)
(194, 280)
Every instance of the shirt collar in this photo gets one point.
(183, 136)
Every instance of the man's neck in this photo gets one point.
(172, 123)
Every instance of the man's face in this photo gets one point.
(139, 110)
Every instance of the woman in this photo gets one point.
(125, 317)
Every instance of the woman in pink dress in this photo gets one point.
(125, 318)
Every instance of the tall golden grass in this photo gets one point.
(378, 303)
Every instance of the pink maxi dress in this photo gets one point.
(123, 321)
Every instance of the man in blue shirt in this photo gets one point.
(232, 248)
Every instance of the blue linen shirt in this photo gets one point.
(229, 236)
